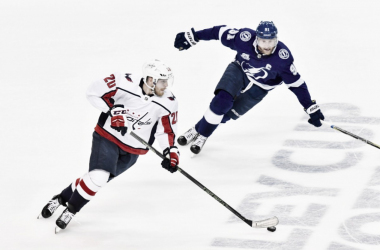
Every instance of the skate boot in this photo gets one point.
(65, 218)
(187, 137)
(198, 144)
(52, 205)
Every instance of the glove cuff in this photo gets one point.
(172, 149)
(195, 35)
(312, 108)
(191, 37)
(117, 106)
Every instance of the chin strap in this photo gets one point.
(151, 88)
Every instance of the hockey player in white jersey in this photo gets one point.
(143, 104)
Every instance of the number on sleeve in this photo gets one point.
(175, 117)
(110, 81)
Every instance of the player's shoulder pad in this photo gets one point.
(283, 53)
(168, 100)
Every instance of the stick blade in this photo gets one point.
(271, 222)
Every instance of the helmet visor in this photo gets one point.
(164, 83)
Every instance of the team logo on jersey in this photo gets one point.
(283, 53)
(245, 56)
(245, 36)
(137, 119)
(127, 76)
(172, 98)
(256, 73)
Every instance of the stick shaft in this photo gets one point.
(355, 136)
(249, 222)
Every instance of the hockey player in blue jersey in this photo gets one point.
(261, 64)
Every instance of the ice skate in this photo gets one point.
(65, 218)
(50, 208)
(187, 137)
(198, 144)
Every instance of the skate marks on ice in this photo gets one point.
(357, 229)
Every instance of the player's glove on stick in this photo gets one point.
(185, 40)
(172, 163)
(118, 122)
(315, 114)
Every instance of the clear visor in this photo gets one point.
(164, 83)
(267, 43)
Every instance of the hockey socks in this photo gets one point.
(68, 192)
(81, 191)
(219, 106)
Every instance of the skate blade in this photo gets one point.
(57, 230)
(192, 155)
(39, 216)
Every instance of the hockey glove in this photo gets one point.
(117, 113)
(315, 114)
(172, 163)
(185, 40)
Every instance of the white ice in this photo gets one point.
(323, 185)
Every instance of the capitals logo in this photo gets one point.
(128, 77)
(256, 73)
(172, 98)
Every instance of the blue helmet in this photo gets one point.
(266, 30)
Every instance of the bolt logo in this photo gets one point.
(283, 53)
(256, 73)
(245, 36)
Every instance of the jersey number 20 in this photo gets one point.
(110, 81)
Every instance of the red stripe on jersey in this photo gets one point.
(136, 151)
(168, 129)
(77, 181)
(107, 98)
(86, 189)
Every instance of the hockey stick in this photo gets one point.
(269, 223)
(352, 135)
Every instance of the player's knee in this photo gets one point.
(99, 177)
(221, 103)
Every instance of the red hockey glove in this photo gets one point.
(172, 163)
(118, 122)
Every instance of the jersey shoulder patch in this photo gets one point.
(283, 52)
(246, 35)
(128, 77)
(168, 100)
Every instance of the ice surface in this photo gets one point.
(323, 186)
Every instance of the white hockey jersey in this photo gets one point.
(150, 117)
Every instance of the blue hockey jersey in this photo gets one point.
(265, 71)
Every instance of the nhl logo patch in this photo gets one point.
(283, 53)
(245, 36)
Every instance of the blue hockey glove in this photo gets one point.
(118, 121)
(185, 40)
(315, 114)
(172, 163)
